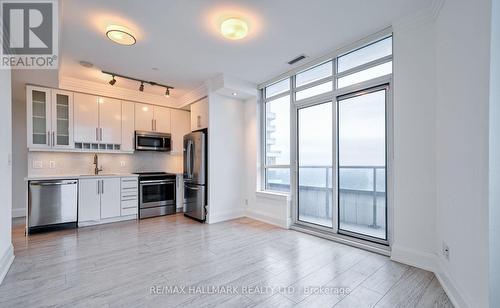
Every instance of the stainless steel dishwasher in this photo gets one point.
(52, 204)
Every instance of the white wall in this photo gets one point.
(226, 154)
(494, 211)
(462, 66)
(6, 251)
(414, 204)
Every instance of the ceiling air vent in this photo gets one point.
(297, 59)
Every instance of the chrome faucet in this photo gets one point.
(96, 163)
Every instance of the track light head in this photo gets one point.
(167, 92)
(141, 87)
(112, 81)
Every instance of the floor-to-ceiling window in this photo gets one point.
(336, 112)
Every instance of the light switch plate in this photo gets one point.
(37, 164)
(52, 164)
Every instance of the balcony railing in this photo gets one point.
(362, 197)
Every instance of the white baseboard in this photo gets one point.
(6, 261)
(264, 217)
(423, 260)
(18, 213)
(215, 218)
(106, 221)
(455, 295)
(431, 262)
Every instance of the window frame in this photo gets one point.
(263, 121)
(377, 245)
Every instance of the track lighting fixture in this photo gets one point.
(141, 87)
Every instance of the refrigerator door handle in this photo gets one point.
(191, 160)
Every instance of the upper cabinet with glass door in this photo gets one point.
(50, 118)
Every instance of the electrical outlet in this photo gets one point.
(446, 251)
(52, 164)
(37, 164)
(122, 164)
(246, 201)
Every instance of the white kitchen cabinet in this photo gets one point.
(199, 115)
(179, 197)
(152, 118)
(99, 199)
(144, 115)
(161, 119)
(89, 200)
(62, 119)
(86, 118)
(129, 196)
(128, 127)
(110, 198)
(110, 120)
(49, 118)
(180, 120)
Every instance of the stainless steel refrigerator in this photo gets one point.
(195, 175)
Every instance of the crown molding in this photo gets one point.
(419, 18)
(85, 86)
(193, 96)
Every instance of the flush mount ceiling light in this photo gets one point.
(120, 35)
(234, 28)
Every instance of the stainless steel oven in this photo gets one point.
(151, 141)
(156, 194)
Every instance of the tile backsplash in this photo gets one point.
(52, 163)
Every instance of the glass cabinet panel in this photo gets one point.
(39, 117)
(62, 119)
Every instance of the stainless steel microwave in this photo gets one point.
(151, 141)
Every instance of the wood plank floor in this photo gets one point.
(240, 263)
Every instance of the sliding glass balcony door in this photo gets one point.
(341, 165)
(315, 154)
(362, 205)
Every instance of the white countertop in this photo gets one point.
(77, 176)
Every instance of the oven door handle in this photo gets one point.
(153, 182)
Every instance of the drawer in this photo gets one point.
(129, 211)
(126, 204)
(129, 183)
(129, 192)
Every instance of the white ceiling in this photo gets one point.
(180, 38)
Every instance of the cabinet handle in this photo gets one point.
(152, 125)
(96, 134)
(53, 139)
(102, 189)
(98, 189)
(100, 137)
(48, 138)
(199, 121)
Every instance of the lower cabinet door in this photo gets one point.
(110, 198)
(89, 200)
